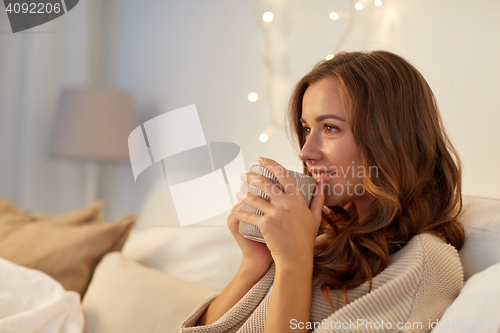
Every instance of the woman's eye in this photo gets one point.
(330, 128)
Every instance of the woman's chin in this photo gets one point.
(332, 200)
(336, 200)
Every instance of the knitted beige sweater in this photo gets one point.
(421, 281)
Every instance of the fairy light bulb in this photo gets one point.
(267, 133)
(329, 57)
(358, 6)
(378, 3)
(334, 16)
(253, 97)
(267, 17)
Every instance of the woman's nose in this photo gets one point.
(310, 152)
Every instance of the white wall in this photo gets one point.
(169, 54)
(34, 65)
(456, 45)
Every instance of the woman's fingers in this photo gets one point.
(255, 201)
(318, 201)
(237, 207)
(264, 184)
(232, 221)
(281, 173)
(271, 190)
(250, 218)
(243, 188)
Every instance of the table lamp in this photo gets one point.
(91, 125)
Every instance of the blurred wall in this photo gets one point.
(34, 65)
(170, 54)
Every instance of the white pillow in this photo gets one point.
(125, 296)
(477, 307)
(32, 301)
(204, 253)
(481, 221)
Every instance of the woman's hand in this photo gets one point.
(255, 254)
(256, 261)
(288, 225)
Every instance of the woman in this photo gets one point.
(372, 252)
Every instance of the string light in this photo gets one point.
(267, 17)
(266, 134)
(268, 94)
(253, 97)
(334, 16)
(378, 3)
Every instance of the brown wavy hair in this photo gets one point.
(397, 127)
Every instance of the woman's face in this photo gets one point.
(330, 146)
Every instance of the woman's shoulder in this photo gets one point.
(428, 256)
(426, 267)
(427, 247)
(420, 282)
(425, 259)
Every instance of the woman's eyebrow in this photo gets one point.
(325, 116)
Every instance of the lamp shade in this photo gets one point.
(93, 123)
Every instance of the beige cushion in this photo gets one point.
(67, 249)
(125, 296)
(7, 206)
(89, 214)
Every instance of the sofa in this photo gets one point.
(164, 272)
(149, 275)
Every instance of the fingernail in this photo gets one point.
(261, 160)
(243, 176)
